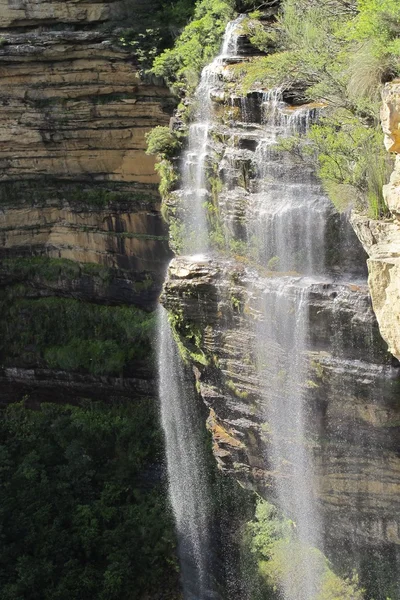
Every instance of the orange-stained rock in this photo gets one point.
(74, 115)
(381, 239)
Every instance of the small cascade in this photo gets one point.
(288, 212)
(194, 188)
(230, 42)
(188, 489)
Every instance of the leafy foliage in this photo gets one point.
(281, 557)
(72, 335)
(196, 46)
(77, 519)
(149, 32)
(338, 52)
(162, 142)
(379, 21)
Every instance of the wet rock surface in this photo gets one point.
(351, 385)
(221, 308)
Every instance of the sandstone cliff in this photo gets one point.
(217, 305)
(75, 182)
(381, 239)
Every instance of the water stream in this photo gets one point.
(187, 478)
(194, 181)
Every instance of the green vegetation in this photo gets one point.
(92, 195)
(338, 53)
(148, 32)
(189, 339)
(196, 46)
(72, 335)
(162, 142)
(280, 557)
(51, 269)
(231, 385)
(78, 516)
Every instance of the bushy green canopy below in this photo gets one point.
(78, 518)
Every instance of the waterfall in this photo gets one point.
(188, 489)
(288, 212)
(187, 477)
(278, 225)
(194, 182)
(287, 215)
(281, 341)
(287, 219)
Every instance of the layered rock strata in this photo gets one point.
(381, 239)
(348, 390)
(75, 182)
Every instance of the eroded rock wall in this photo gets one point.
(351, 387)
(75, 181)
(381, 239)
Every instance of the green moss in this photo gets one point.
(189, 339)
(230, 384)
(236, 303)
(318, 369)
(310, 384)
(139, 236)
(142, 286)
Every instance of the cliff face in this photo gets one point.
(225, 308)
(381, 239)
(75, 182)
(347, 390)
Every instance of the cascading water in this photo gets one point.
(276, 216)
(287, 215)
(194, 186)
(281, 341)
(186, 472)
(180, 421)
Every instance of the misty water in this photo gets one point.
(180, 421)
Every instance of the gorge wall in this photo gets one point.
(79, 209)
(242, 298)
(381, 239)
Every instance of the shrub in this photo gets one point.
(281, 557)
(162, 142)
(196, 46)
(378, 21)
